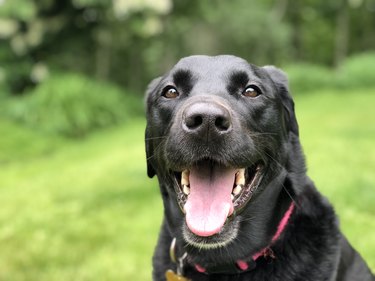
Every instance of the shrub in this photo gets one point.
(356, 72)
(308, 77)
(73, 105)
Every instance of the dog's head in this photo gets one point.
(219, 136)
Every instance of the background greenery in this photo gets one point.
(75, 200)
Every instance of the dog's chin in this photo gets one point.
(227, 235)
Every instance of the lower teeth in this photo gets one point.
(237, 190)
(186, 189)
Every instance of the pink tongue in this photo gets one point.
(209, 202)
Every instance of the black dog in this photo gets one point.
(222, 138)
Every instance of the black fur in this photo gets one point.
(262, 128)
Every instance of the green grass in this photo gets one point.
(338, 136)
(85, 210)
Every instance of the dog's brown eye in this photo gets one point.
(170, 93)
(252, 91)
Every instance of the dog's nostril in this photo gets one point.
(206, 118)
(194, 121)
(222, 123)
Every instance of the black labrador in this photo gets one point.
(222, 138)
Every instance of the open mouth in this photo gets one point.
(209, 194)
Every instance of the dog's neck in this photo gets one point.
(241, 265)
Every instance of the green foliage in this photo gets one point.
(73, 105)
(308, 77)
(356, 72)
(149, 36)
(20, 9)
(23, 143)
(237, 34)
(16, 77)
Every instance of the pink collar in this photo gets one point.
(280, 229)
(243, 265)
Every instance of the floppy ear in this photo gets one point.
(281, 82)
(148, 138)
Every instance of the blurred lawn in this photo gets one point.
(85, 210)
(76, 210)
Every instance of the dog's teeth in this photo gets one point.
(185, 182)
(186, 189)
(240, 177)
(237, 190)
(232, 196)
(185, 177)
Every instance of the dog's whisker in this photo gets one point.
(284, 188)
(247, 218)
(273, 159)
(261, 134)
(156, 149)
(290, 196)
(156, 138)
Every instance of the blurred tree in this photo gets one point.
(91, 36)
(361, 29)
(342, 30)
(130, 41)
(327, 31)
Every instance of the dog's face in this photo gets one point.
(217, 137)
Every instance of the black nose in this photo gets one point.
(204, 118)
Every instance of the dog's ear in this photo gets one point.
(148, 138)
(280, 80)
